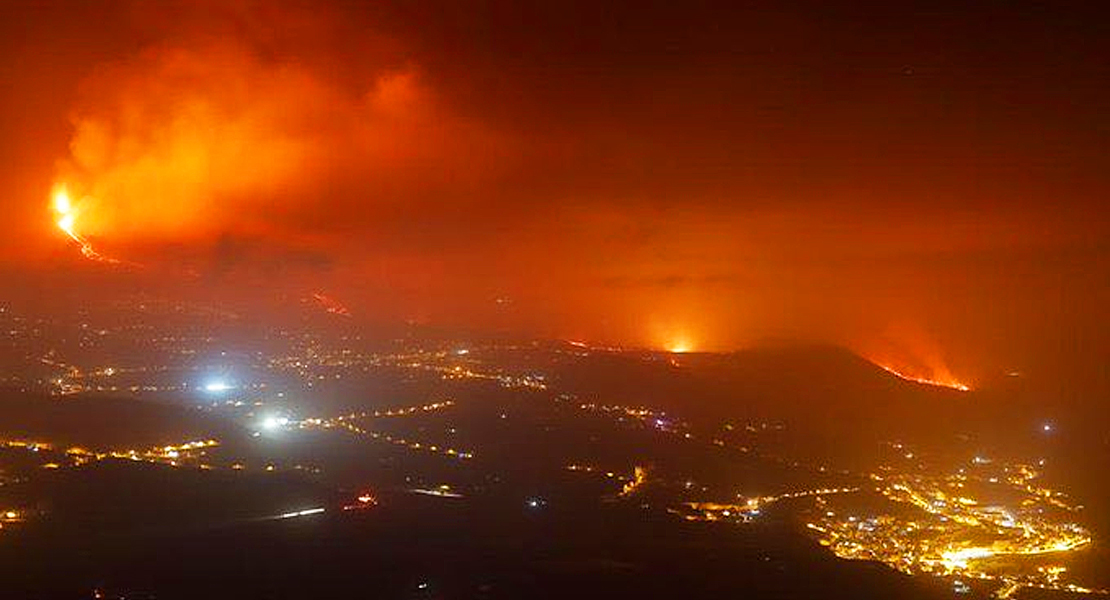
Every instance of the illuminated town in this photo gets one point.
(508, 300)
(187, 453)
(982, 524)
(988, 521)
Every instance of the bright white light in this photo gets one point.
(958, 559)
(272, 423)
(217, 386)
(1047, 428)
(300, 513)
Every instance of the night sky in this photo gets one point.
(925, 184)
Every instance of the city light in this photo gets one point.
(698, 300)
(273, 422)
(216, 387)
(952, 524)
(639, 478)
(300, 513)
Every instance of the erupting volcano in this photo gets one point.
(66, 214)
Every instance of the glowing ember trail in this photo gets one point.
(330, 304)
(67, 214)
(951, 384)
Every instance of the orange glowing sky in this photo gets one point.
(927, 187)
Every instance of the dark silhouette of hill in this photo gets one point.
(104, 422)
(823, 391)
(412, 547)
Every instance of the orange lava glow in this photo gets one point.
(63, 209)
(66, 214)
(680, 346)
(330, 304)
(948, 383)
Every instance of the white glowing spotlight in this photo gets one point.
(274, 423)
(299, 513)
(217, 386)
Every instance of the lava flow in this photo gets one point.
(330, 304)
(67, 220)
(952, 384)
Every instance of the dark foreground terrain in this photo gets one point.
(411, 546)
